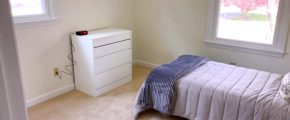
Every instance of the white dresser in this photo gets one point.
(103, 60)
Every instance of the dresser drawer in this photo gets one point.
(113, 60)
(111, 39)
(111, 76)
(112, 48)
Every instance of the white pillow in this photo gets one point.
(285, 87)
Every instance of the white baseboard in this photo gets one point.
(49, 95)
(145, 64)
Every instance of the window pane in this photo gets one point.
(26, 7)
(248, 20)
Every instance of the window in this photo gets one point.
(256, 26)
(27, 11)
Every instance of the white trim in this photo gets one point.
(11, 95)
(145, 64)
(273, 53)
(4, 111)
(49, 95)
(277, 49)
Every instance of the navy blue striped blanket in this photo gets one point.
(158, 91)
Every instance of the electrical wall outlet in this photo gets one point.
(56, 72)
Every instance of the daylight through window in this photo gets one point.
(29, 12)
(252, 26)
(27, 7)
(247, 20)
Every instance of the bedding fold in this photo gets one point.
(158, 91)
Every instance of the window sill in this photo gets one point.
(35, 23)
(269, 52)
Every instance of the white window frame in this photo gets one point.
(49, 15)
(277, 49)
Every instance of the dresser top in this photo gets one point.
(101, 33)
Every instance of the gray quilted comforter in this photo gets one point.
(217, 91)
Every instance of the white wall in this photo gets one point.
(168, 28)
(45, 47)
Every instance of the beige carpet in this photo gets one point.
(114, 105)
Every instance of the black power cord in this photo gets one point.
(68, 69)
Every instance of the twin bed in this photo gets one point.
(218, 91)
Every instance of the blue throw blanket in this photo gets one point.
(159, 90)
